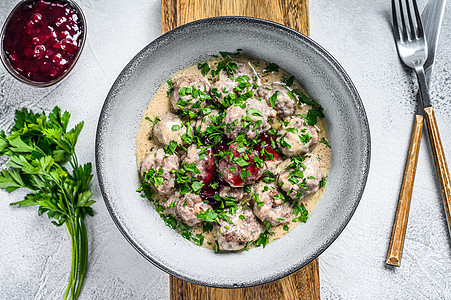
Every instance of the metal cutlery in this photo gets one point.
(413, 50)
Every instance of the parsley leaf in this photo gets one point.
(272, 100)
(301, 211)
(324, 141)
(271, 67)
(170, 148)
(204, 68)
(314, 115)
(288, 81)
(38, 148)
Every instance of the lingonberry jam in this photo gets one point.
(42, 39)
(265, 143)
(208, 192)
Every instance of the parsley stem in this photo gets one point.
(69, 284)
(83, 255)
(38, 147)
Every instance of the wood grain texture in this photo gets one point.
(291, 13)
(402, 212)
(440, 161)
(303, 284)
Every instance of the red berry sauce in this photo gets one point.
(42, 39)
(208, 192)
(265, 143)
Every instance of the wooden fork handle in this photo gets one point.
(440, 161)
(402, 212)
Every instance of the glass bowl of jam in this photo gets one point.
(41, 40)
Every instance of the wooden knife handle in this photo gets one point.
(440, 161)
(402, 212)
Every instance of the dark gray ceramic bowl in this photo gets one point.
(323, 78)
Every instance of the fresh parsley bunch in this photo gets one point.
(38, 148)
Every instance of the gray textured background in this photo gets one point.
(35, 255)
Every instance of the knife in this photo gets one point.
(432, 17)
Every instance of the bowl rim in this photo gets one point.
(362, 116)
(7, 64)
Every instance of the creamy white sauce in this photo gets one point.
(160, 104)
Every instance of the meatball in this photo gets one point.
(297, 138)
(283, 104)
(300, 184)
(238, 167)
(227, 191)
(245, 228)
(223, 88)
(268, 208)
(252, 120)
(169, 128)
(273, 166)
(234, 84)
(206, 120)
(244, 69)
(206, 165)
(187, 207)
(156, 169)
(184, 98)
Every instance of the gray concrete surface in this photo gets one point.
(35, 255)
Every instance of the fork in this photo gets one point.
(412, 49)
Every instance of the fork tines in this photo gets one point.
(407, 31)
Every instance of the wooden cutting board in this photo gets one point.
(304, 284)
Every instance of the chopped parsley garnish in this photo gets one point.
(303, 99)
(154, 177)
(241, 162)
(247, 189)
(189, 135)
(171, 88)
(301, 213)
(279, 196)
(182, 228)
(286, 228)
(170, 148)
(322, 183)
(256, 199)
(305, 138)
(314, 115)
(208, 216)
(259, 163)
(154, 121)
(197, 186)
(271, 67)
(288, 81)
(175, 127)
(226, 65)
(292, 130)
(272, 100)
(213, 216)
(324, 141)
(245, 174)
(267, 224)
(263, 239)
(204, 68)
(254, 112)
(268, 155)
(246, 247)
